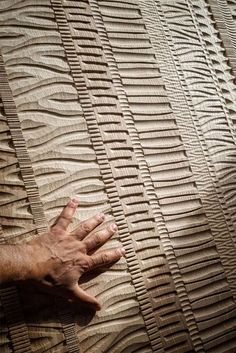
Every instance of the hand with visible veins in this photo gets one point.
(57, 259)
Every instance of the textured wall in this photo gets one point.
(131, 105)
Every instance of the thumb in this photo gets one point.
(79, 293)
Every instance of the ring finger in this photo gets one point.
(87, 226)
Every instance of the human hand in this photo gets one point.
(62, 257)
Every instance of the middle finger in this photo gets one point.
(99, 238)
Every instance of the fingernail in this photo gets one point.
(102, 216)
(114, 227)
(75, 199)
(122, 251)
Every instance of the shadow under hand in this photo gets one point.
(42, 307)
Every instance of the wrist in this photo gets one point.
(37, 259)
(28, 261)
(16, 263)
(25, 262)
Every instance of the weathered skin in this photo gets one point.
(57, 259)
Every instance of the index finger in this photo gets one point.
(65, 217)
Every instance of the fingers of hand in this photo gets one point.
(79, 293)
(65, 218)
(88, 226)
(106, 257)
(99, 238)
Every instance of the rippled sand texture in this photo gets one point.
(131, 105)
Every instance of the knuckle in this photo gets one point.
(65, 218)
(97, 239)
(105, 258)
(82, 247)
(85, 267)
(85, 227)
(88, 264)
(117, 252)
(99, 217)
(91, 262)
(57, 231)
(54, 229)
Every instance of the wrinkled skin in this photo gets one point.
(57, 259)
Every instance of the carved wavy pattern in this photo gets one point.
(4, 333)
(189, 255)
(232, 6)
(48, 107)
(173, 189)
(219, 12)
(13, 192)
(64, 163)
(205, 147)
(220, 136)
(14, 199)
(101, 101)
(93, 82)
(117, 327)
(20, 335)
(171, 318)
(124, 41)
(228, 11)
(192, 137)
